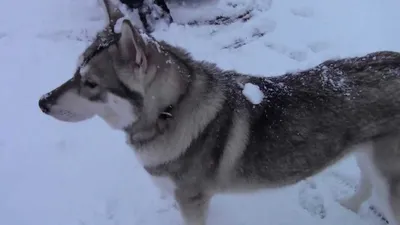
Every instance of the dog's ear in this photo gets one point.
(132, 45)
(112, 11)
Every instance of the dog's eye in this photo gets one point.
(89, 84)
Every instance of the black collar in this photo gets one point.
(166, 113)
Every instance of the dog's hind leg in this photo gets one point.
(148, 14)
(394, 201)
(364, 190)
(387, 161)
(162, 5)
(133, 4)
(165, 9)
(144, 11)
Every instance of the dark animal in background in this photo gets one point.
(150, 11)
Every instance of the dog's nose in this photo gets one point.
(44, 106)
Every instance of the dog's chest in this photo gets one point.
(165, 184)
(149, 158)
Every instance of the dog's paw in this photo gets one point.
(350, 204)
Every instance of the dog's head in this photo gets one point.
(122, 77)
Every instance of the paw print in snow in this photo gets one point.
(317, 47)
(304, 12)
(341, 185)
(105, 215)
(311, 200)
(297, 55)
(239, 42)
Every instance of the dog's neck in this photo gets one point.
(163, 138)
(162, 63)
(166, 113)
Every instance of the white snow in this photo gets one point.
(253, 93)
(54, 173)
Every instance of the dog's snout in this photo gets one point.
(44, 105)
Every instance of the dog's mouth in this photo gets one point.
(61, 113)
(68, 116)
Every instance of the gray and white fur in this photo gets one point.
(190, 124)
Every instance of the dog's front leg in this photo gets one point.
(193, 206)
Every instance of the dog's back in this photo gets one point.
(309, 120)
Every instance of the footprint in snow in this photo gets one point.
(297, 55)
(304, 12)
(318, 46)
(167, 203)
(111, 209)
(269, 26)
(343, 186)
(311, 199)
(105, 215)
(234, 4)
(239, 42)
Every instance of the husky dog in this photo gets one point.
(194, 130)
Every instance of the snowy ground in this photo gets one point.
(53, 173)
